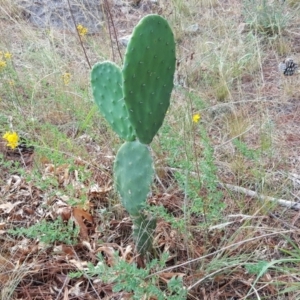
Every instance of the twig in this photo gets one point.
(194, 260)
(238, 189)
(111, 21)
(210, 275)
(291, 226)
(80, 39)
(282, 202)
(160, 182)
(235, 137)
(296, 33)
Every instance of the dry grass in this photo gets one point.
(229, 75)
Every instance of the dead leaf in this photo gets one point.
(66, 294)
(79, 216)
(80, 265)
(75, 290)
(64, 213)
(8, 207)
(87, 245)
(67, 250)
(79, 162)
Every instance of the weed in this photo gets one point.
(257, 268)
(264, 17)
(202, 191)
(129, 278)
(219, 65)
(49, 232)
(245, 151)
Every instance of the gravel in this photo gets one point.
(57, 14)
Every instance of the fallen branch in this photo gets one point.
(282, 202)
(238, 189)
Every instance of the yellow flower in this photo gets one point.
(66, 78)
(196, 118)
(82, 30)
(2, 64)
(12, 139)
(11, 82)
(7, 55)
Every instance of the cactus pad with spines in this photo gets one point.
(133, 174)
(106, 78)
(148, 75)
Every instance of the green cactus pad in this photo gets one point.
(148, 75)
(133, 174)
(106, 79)
(143, 230)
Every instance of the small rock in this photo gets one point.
(192, 28)
(288, 67)
(125, 40)
(57, 14)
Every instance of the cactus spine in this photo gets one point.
(134, 101)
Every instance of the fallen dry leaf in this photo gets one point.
(80, 215)
(8, 207)
(80, 265)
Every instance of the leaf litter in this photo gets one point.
(43, 269)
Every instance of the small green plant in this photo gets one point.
(134, 102)
(196, 173)
(50, 232)
(257, 268)
(264, 17)
(128, 277)
(245, 150)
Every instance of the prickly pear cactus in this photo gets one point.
(148, 75)
(134, 101)
(106, 79)
(133, 174)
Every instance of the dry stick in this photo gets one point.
(66, 281)
(235, 137)
(107, 13)
(238, 189)
(237, 244)
(111, 20)
(210, 275)
(282, 202)
(255, 291)
(80, 39)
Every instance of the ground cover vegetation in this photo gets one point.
(226, 166)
